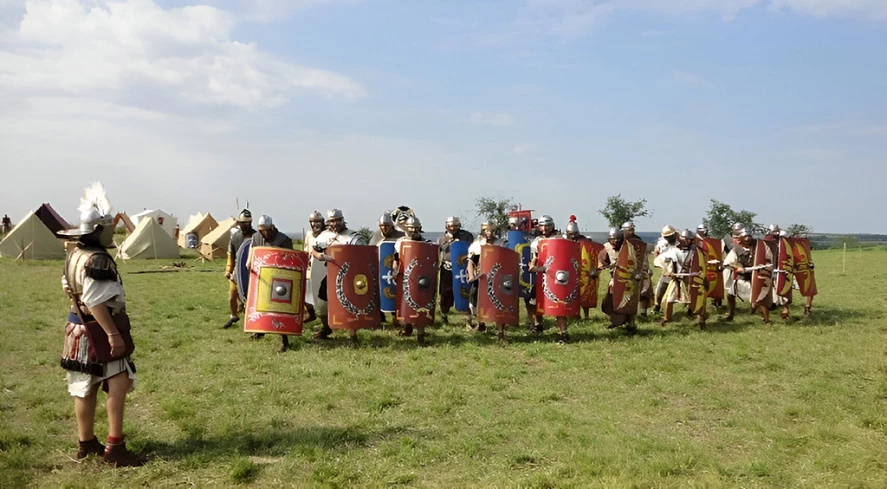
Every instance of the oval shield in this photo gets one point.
(275, 301)
(241, 274)
(417, 282)
(387, 280)
(498, 294)
(353, 287)
(461, 287)
(558, 290)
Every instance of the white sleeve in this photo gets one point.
(97, 292)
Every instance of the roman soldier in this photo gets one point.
(413, 232)
(387, 233)
(317, 224)
(607, 261)
(269, 235)
(667, 240)
(546, 231)
(646, 281)
(676, 264)
(243, 231)
(487, 237)
(97, 321)
(774, 239)
(337, 232)
(454, 232)
(588, 265)
(737, 265)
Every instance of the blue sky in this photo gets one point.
(775, 106)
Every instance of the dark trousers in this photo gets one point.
(445, 287)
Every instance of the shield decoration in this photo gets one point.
(498, 289)
(697, 279)
(387, 280)
(519, 241)
(785, 269)
(558, 290)
(588, 272)
(275, 301)
(461, 287)
(803, 266)
(353, 287)
(714, 259)
(417, 282)
(626, 277)
(761, 279)
(241, 274)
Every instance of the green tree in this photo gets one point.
(494, 210)
(365, 233)
(618, 210)
(799, 230)
(720, 219)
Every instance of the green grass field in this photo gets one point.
(802, 403)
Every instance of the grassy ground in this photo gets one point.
(796, 404)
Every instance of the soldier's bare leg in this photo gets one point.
(731, 307)
(233, 305)
(420, 336)
(325, 330)
(352, 333)
(669, 312)
(563, 337)
(765, 312)
(501, 331)
(118, 386)
(808, 305)
(84, 407)
(312, 315)
(284, 343)
(585, 311)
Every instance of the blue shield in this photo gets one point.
(459, 256)
(387, 284)
(241, 272)
(519, 241)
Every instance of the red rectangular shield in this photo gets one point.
(353, 287)
(761, 279)
(714, 251)
(417, 282)
(697, 279)
(499, 287)
(276, 298)
(627, 281)
(588, 272)
(557, 288)
(785, 269)
(803, 261)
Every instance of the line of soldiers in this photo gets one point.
(555, 274)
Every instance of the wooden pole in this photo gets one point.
(844, 260)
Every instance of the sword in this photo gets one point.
(686, 274)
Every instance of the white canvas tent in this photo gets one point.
(166, 221)
(30, 239)
(200, 224)
(149, 240)
(215, 244)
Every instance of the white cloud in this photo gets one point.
(523, 148)
(690, 78)
(89, 47)
(491, 118)
(273, 10)
(873, 130)
(574, 18)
